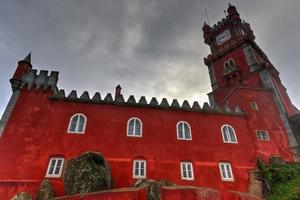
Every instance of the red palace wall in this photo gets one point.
(37, 131)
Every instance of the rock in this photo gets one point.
(152, 187)
(87, 173)
(22, 196)
(45, 191)
(255, 185)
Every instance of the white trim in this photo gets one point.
(139, 176)
(70, 122)
(54, 168)
(186, 164)
(190, 129)
(134, 134)
(233, 133)
(260, 138)
(226, 164)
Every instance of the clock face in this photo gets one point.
(223, 37)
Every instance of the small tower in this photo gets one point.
(23, 67)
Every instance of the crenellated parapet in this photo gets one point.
(42, 80)
(142, 102)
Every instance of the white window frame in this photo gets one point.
(223, 135)
(77, 124)
(183, 131)
(139, 176)
(53, 175)
(259, 136)
(254, 106)
(134, 133)
(185, 165)
(228, 169)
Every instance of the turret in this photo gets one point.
(23, 67)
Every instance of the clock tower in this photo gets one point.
(241, 73)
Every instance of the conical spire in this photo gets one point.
(27, 58)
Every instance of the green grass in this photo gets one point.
(289, 190)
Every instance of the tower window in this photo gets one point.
(226, 171)
(139, 169)
(134, 127)
(262, 135)
(77, 123)
(55, 167)
(186, 169)
(229, 66)
(254, 106)
(183, 131)
(228, 134)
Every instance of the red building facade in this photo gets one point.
(215, 146)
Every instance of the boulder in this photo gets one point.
(152, 187)
(87, 173)
(45, 191)
(22, 196)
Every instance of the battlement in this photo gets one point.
(41, 80)
(142, 102)
(220, 25)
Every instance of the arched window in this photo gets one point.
(77, 123)
(231, 63)
(134, 127)
(228, 134)
(229, 66)
(184, 131)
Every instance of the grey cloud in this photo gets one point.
(150, 47)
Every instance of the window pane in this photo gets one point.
(142, 169)
(187, 131)
(225, 133)
(180, 130)
(81, 124)
(57, 169)
(232, 135)
(223, 171)
(228, 171)
(137, 127)
(136, 170)
(184, 172)
(130, 127)
(189, 171)
(73, 123)
(52, 166)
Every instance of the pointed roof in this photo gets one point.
(27, 58)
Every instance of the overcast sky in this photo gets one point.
(149, 47)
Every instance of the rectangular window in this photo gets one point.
(187, 172)
(55, 167)
(139, 169)
(262, 135)
(226, 171)
(254, 106)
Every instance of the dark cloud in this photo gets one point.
(150, 47)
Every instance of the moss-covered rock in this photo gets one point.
(87, 173)
(22, 196)
(152, 187)
(45, 191)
